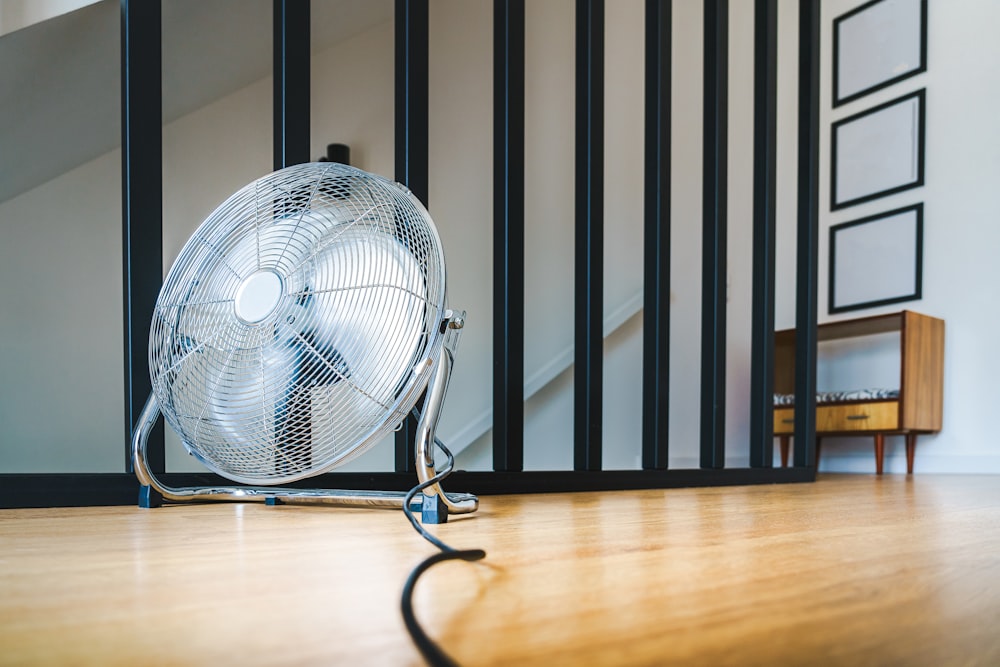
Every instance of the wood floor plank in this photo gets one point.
(851, 570)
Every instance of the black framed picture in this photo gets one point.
(877, 152)
(877, 260)
(876, 45)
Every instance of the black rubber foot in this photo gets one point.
(149, 497)
(433, 510)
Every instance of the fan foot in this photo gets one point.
(149, 497)
(433, 509)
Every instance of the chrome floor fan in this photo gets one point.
(298, 326)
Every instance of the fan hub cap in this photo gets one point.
(257, 296)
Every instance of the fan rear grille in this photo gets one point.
(290, 332)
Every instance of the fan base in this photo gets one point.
(433, 508)
(435, 504)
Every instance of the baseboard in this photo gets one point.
(923, 463)
(75, 490)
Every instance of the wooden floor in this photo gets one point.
(851, 570)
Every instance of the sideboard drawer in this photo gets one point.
(872, 416)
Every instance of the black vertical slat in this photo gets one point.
(411, 143)
(142, 207)
(656, 280)
(291, 146)
(412, 23)
(714, 267)
(291, 82)
(508, 235)
(765, 104)
(588, 369)
(807, 235)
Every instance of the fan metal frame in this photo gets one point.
(317, 257)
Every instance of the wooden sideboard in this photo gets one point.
(917, 409)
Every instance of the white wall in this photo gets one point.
(61, 376)
(961, 235)
(74, 423)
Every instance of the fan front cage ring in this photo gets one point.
(299, 323)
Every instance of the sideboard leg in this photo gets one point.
(879, 452)
(911, 448)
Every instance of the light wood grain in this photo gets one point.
(844, 418)
(851, 570)
(922, 371)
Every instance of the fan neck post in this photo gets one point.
(435, 505)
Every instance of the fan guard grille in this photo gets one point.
(293, 330)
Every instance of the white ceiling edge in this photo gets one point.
(18, 14)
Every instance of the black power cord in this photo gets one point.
(432, 653)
